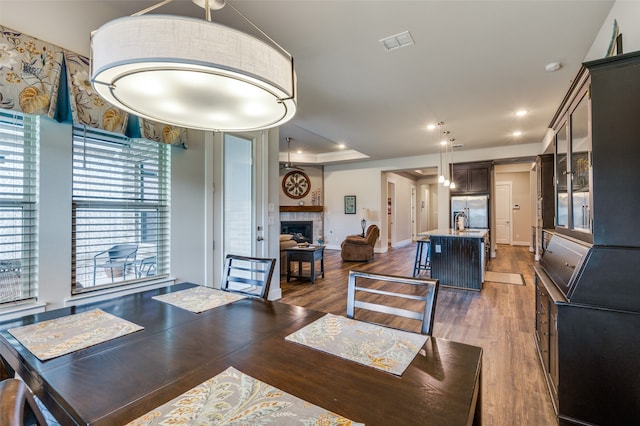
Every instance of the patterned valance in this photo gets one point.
(30, 73)
(87, 107)
(33, 80)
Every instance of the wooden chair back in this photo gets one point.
(418, 289)
(248, 275)
(17, 405)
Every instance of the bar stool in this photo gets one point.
(423, 257)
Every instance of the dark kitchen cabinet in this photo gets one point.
(471, 178)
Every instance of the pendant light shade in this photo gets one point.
(192, 73)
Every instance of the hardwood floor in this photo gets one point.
(500, 319)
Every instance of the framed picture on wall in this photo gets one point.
(349, 204)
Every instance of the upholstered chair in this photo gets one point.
(356, 248)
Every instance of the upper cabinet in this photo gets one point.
(471, 178)
(596, 153)
(573, 165)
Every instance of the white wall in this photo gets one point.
(189, 206)
(365, 185)
(627, 14)
(55, 212)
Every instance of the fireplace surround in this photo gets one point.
(302, 230)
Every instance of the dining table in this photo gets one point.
(119, 380)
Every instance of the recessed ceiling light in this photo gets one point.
(517, 133)
(432, 126)
(342, 146)
(521, 113)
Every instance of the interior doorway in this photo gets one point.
(391, 196)
(414, 214)
(503, 213)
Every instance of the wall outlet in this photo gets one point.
(438, 248)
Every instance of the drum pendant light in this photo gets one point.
(193, 73)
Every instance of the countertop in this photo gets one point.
(449, 232)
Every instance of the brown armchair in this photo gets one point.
(357, 248)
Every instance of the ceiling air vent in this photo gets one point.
(397, 41)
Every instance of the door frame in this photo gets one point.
(414, 213)
(508, 184)
(391, 221)
(214, 255)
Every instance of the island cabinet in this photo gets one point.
(458, 258)
(471, 178)
(587, 292)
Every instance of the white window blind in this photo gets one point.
(18, 206)
(120, 217)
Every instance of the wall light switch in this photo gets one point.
(438, 248)
(271, 207)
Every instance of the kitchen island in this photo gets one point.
(458, 257)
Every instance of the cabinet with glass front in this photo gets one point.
(573, 163)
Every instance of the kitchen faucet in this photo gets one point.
(456, 219)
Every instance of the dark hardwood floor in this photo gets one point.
(499, 319)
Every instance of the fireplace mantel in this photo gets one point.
(301, 209)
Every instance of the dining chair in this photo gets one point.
(17, 405)
(116, 261)
(387, 298)
(248, 275)
(146, 267)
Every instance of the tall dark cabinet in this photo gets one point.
(588, 282)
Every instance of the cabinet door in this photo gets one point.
(479, 179)
(553, 350)
(562, 171)
(542, 324)
(460, 175)
(581, 167)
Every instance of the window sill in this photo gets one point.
(18, 310)
(110, 293)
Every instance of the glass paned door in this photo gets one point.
(562, 170)
(581, 166)
(239, 196)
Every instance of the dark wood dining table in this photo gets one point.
(117, 381)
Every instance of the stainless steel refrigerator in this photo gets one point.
(475, 208)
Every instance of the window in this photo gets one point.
(18, 206)
(120, 218)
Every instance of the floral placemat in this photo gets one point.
(199, 299)
(60, 336)
(369, 344)
(234, 398)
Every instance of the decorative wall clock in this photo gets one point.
(296, 184)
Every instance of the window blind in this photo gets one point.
(19, 139)
(120, 200)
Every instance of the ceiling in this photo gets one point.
(473, 65)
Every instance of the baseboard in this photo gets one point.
(402, 243)
(521, 243)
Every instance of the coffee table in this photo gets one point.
(305, 254)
